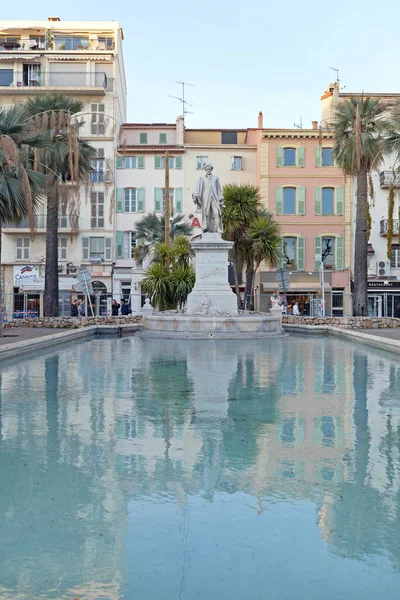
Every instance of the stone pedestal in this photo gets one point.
(212, 294)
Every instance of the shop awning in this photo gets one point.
(297, 287)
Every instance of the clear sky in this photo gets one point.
(243, 56)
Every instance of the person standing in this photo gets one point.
(296, 309)
(115, 308)
(74, 308)
(124, 308)
(81, 308)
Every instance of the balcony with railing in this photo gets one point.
(384, 226)
(39, 82)
(388, 177)
(64, 222)
(59, 43)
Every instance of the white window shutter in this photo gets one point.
(85, 248)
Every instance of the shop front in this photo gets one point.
(384, 298)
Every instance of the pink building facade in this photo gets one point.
(309, 196)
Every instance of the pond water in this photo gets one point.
(143, 469)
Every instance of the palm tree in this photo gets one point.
(150, 231)
(242, 205)
(65, 161)
(391, 146)
(358, 126)
(262, 243)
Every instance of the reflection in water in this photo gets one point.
(139, 468)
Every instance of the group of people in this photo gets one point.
(123, 308)
(291, 309)
(78, 308)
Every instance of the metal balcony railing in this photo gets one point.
(384, 226)
(64, 222)
(388, 177)
(56, 79)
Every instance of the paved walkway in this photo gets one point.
(22, 334)
(392, 334)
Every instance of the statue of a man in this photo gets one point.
(208, 196)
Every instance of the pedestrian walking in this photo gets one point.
(115, 308)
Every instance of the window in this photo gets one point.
(175, 162)
(98, 165)
(328, 252)
(229, 137)
(143, 138)
(98, 124)
(171, 195)
(62, 248)
(395, 260)
(22, 247)
(328, 201)
(236, 163)
(290, 252)
(327, 158)
(63, 208)
(97, 210)
(6, 77)
(130, 162)
(163, 138)
(201, 162)
(289, 201)
(96, 249)
(130, 200)
(71, 43)
(129, 243)
(107, 42)
(289, 157)
(337, 303)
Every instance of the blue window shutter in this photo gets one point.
(279, 157)
(157, 162)
(317, 250)
(140, 200)
(120, 199)
(120, 162)
(279, 199)
(119, 237)
(157, 199)
(178, 162)
(339, 253)
(300, 157)
(140, 162)
(300, 253)
(317, 200)
(301, 200)
(339, 197)
(318, 157)
(178, 199)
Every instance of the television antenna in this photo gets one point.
(182, 100)
(299, 125)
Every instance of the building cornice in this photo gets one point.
(148, 126)
(142, 149)
(297, 134)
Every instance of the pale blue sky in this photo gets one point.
(243, 56)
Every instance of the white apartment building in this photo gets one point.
(383, 273)
(140, 190)
(83, 60)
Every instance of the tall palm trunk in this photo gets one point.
(51, 307)
(360, 296)
(237, 290)
(250, 276)
(252, 286)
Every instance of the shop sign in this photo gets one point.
(195, 222)
(384, 284)
(29, 277)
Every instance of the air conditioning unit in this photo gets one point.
(72, 269)
(60, 268)
(383, 268)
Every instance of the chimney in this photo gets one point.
(260, 120)
(314, 124)
(53, 19)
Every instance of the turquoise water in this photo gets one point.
(146, 469)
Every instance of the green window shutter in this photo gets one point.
(318, 156)
(119, 238)
(300, 253)
(120, 162)
(178, 199)
(339, 198)
(85, 248)
(143, 138)
(140, 200)
(279, 200)
(157, 199)
(163, 138)
(339, 253)
(120, 199)
(301, 200)
(157, 162)
(279, 157)
(178, 162)
(300, 157)
(140, 162)
(318, 200)
(317, 250)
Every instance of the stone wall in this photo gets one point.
(73, 322)
(344, 322)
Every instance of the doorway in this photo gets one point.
(32, 75)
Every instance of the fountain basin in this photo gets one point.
(167, 325)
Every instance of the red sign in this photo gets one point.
(195, 222)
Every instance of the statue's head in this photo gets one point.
(208, 169)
